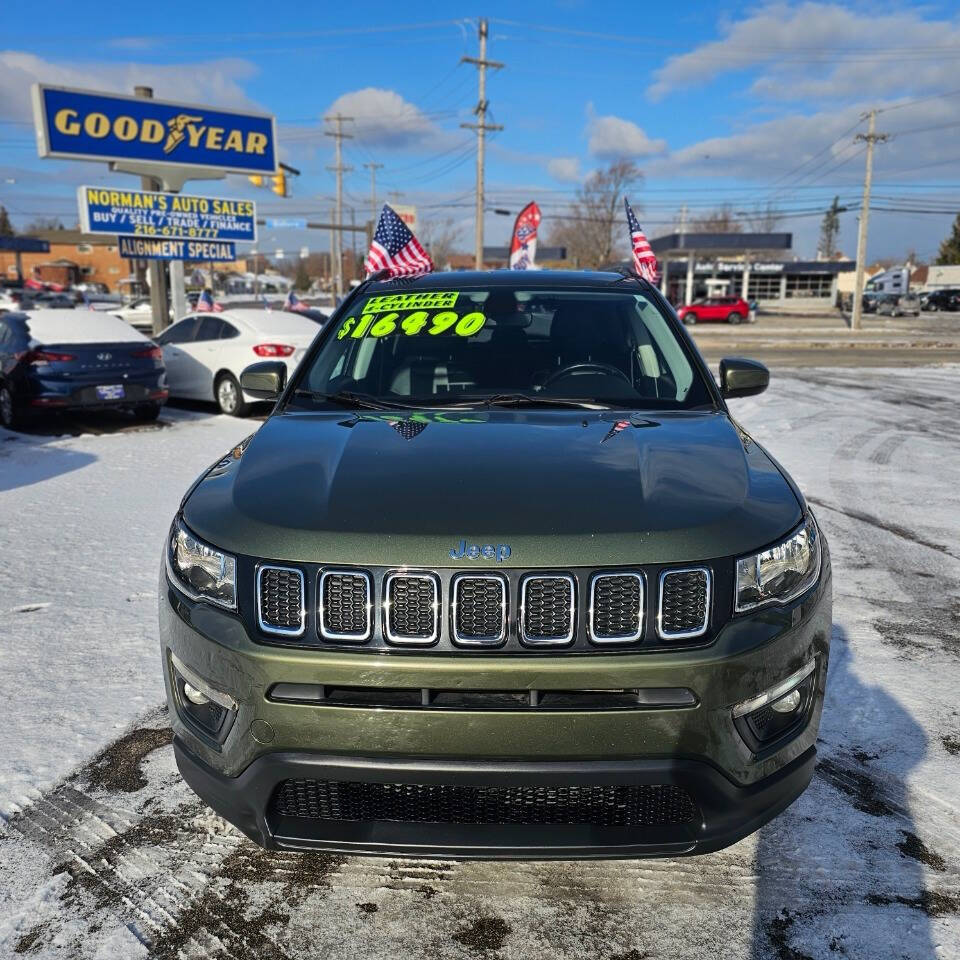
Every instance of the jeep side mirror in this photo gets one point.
(264, 380)
(742, 378)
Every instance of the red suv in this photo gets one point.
(730, 309)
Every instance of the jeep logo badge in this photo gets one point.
(476, 551)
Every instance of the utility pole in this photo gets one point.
(373, 168)
(158, 278)
(339, 136)
(871, 137)
(481, 126)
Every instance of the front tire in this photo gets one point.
(8, 410)
(229, 397)
(735, 318)
(689, 319)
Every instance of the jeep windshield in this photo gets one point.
(577, 347)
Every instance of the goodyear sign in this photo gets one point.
(142, 248)
(105, 210)
(84, 125)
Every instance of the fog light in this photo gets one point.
(195, 696)
(787, 704)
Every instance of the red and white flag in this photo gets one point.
(395, 249)
(206, 303)
(644, 260)
(523, 246)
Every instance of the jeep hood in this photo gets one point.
(561, 488)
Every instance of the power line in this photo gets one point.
(339, 136)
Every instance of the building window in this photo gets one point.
(84, 248)
(763, 287)
(87, 271)
(111, 249)
(114, 270)
(809, 285)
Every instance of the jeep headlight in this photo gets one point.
(782, 572)
(202, 571)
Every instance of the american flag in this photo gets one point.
(395, 249)
(408, 429)
(644, 261)
(206, 304)
(293, 302)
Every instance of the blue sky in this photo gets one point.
(746, 104)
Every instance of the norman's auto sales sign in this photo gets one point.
(85, 125)
(139, 213)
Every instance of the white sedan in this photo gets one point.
(205, 353)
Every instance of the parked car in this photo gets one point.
(724, 309)
(937, 300)
(898, 305)
(205, 353)
(500, 576)
(54, 360)
(138, 313)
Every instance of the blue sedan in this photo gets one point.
(76, 359)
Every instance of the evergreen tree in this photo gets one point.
(950, 248)
(302, 279)
(6, 227)
(829, 229)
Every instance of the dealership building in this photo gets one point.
(755, 266)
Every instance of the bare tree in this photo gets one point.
(594, 229)
(721, 220)
(765, 219)
(829, 229)
(440, 237)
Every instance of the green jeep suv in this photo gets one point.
(499, 576)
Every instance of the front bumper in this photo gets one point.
(697, 748)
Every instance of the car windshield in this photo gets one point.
(481, 346)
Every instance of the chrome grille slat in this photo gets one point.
(616, 607)
(280, 600)
(346, 602)
(684, 610)
(479, 615)
(547, 609)
(412, 608)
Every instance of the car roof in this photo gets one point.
(513, 279)
(268, 321)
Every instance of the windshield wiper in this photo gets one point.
(525, 400)
(346, 398)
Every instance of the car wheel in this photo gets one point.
(8, 412)
(735, 317)
(689, 319)
(146, 412)
(229, 398)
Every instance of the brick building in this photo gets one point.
(73, 258)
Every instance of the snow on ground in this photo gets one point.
(82, 520)
(119, 860)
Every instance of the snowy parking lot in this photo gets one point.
(104, 853)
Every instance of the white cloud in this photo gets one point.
(612, 137)
(564, 169)
(822, 50)
(383, 118)
(207, 82)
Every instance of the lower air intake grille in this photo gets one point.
(280, 600)
(547, 609)
(616, 602)
(412, 608)
(604, 806)
(684, 603)
(480, 612)
(345, 606)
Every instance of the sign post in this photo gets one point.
(165, 141)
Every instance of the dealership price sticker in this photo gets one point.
(170, 216)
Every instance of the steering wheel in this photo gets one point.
(586, 368)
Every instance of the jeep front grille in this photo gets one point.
(480, 610)
(547, 606)
(412, 608)
(609, 805)
(345, 605)
(684, 603)
(616, 607)
(280, 597)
